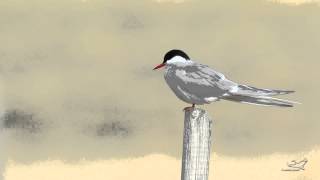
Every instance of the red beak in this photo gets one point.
(159, 66)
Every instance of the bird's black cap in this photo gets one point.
(175, 52)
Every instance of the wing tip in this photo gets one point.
(281, 92)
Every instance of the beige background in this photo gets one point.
(80, 99)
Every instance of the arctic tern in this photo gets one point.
(198, 84)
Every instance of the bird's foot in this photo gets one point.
(189, 108)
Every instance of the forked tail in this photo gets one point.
(257, 96)
(262, 100)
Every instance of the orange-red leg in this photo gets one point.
(189, 108)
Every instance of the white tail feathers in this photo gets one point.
(251, 95)
(260, 100)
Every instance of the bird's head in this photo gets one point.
(173, 56)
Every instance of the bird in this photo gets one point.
(296, 165)
(198, 84)
(299, 165)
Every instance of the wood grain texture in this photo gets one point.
(196, 145)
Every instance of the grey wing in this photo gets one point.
(203, 81)
(220, 81)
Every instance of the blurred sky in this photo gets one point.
(77, 80)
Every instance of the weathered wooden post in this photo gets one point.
(196, 145)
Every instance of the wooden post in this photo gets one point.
(196, 145)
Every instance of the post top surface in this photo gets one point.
(196, 113)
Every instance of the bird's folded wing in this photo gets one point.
(201, 81)
(205, 76)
